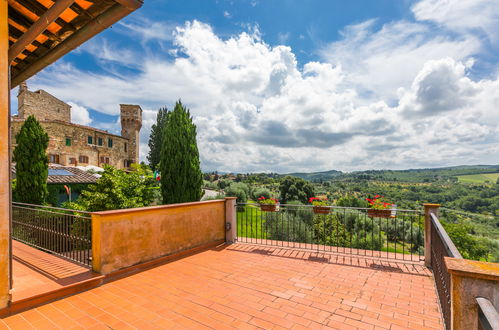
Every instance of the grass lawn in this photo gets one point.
(250, 222)
(478, 178)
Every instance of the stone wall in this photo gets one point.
(55, 117)
(78, 135)
(42, 105)
(131, 123)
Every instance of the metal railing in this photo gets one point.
(394, 234)
(488, 317)
(66, 233)
(442, 246)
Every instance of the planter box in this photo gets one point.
(268, 207)
(321, 210)
(373, 213)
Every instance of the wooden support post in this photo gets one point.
(5, 258)
(230, 220)
(428, 210)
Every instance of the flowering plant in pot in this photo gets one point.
(379, 208)
(321, 204)
(267, 204)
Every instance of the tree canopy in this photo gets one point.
(31, 163)
(156, 138)
(117, 189)
(181, 176)
(293, 188)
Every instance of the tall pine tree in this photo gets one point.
(156, 138)
(31, 163)
(181, 177)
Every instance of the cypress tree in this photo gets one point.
(181, 177)
(31, 163)
(156, 138)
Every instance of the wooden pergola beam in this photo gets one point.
(38, 27)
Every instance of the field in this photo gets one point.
(479, 178)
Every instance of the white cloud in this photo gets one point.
(147, 30)
(257, 110)
(461, 15)
(379, 61)
(283, 37)
(79, 114)
(227, 14)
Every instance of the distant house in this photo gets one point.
(60, 176)
(72, 144)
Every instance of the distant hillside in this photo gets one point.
(318, 176)
(410, 175)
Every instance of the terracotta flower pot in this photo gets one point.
(374, 213)
(321, 210)
(268, 207)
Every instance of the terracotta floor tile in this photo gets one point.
(238, 286)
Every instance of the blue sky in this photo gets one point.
(307, 85)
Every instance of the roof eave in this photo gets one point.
(118, 11)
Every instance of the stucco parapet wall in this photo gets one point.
(155, 208)
(123, 238)
(473, 269)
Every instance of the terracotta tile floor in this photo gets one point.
(37, 272)
(245, 286)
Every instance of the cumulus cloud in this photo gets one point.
(380, 60)
(79, 114)
(258, 110)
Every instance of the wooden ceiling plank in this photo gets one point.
(38, 27)
(37, 8)
(93, 27)
(21, 20)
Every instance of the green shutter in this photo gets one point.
(68, 142)
(99, 141)
(110, 143)
(90, 140)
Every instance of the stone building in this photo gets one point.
(72, 144)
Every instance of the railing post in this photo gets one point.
(428, 210)
(471, 279)
(230, 220)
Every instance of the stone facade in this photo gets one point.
(72, 144)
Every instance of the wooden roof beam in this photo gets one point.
(95, 26)
(130, 4)
(38, 27)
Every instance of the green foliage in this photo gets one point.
(117, 189)
(351, 201)
(329, 230)
(224, 183)
(181, 177)
(31, 163)
(469, 246)
(238, 190)
(212, 198)
(257, 193)
(295, 188)
(55, 190)
(156, 138)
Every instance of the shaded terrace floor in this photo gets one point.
(250, 286)
(36, 272)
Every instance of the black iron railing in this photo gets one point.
(394, 234)
(66, 233)
(488, 317)
(442, 246)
